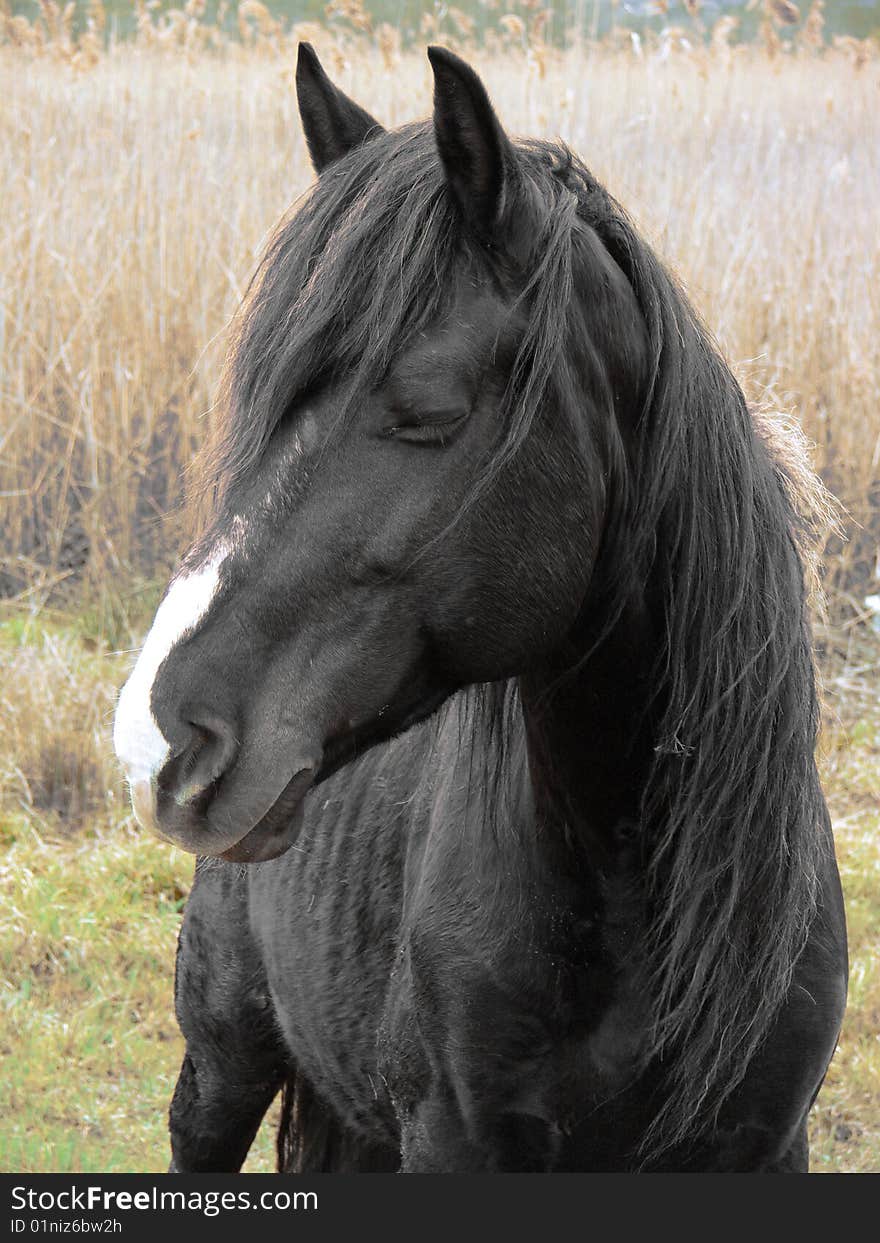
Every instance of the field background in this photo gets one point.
(139, 178)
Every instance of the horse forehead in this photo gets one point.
(298, 438)
(279, 478)
(306, 437)
(291, 444)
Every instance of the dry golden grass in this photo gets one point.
(55, 753)
(140, 183)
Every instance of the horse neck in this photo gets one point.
(590, 729)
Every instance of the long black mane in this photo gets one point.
(701, 515)
(733, 812)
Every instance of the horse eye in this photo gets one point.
(435, 429)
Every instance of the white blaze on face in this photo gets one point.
(139, 743)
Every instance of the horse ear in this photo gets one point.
(333, 123)
(473, 147)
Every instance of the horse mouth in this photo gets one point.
(276, 831)
(204, 824)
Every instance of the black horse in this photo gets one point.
(494, 668)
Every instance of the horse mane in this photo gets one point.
(734, 817)
(717, 513)
(706, 516)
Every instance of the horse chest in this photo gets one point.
(542, 1025)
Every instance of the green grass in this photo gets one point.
(90, 907)
(87, 1030)
(846, 1120)
(86, 938)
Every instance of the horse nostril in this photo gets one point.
(210, 752)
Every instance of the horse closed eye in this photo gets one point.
(436, 430)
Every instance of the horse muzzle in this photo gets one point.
(209, 800)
